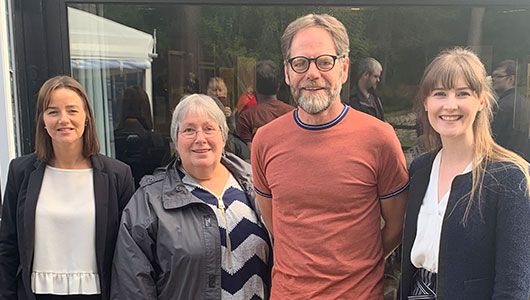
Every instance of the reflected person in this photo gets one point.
(135, 141)
(510, 121)
(363, 97)
(217, 88)
(268, 106)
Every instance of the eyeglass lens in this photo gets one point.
(300, 64)
(192, 132)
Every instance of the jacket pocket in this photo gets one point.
(480, 288)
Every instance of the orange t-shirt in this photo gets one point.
(326, 182)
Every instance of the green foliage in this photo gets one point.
(403, 38)
(255, 31)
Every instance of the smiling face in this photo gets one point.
(451, 112)
(65, 118)
(314, 90)
(199, 151)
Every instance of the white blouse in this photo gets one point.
(64, 260)
(425, 250)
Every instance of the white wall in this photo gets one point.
(7, 131)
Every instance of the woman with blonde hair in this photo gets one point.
(217, 88)
(466, 231)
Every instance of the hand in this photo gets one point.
(228, 111)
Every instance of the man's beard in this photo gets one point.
(315, 104)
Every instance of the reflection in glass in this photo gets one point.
(136, 144)
(198, 42)
(106, 56)
(112, 51)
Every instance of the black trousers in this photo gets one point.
(423, 285)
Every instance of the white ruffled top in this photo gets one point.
(64, 261)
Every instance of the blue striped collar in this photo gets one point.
(320, 126)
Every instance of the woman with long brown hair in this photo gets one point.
(466, 231)
(62, 204)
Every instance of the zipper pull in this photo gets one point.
(222, 207)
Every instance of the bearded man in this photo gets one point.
(363, 97)
(325, 175)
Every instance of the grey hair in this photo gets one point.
(368, 65)
(330, 24)
(198, 104)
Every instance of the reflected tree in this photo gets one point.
(403, 38)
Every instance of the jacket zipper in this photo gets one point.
(221, 206)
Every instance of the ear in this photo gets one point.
(286, 72)
(345, 68)
(225, 140)
(481, 101)
(366, 75)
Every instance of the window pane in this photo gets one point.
(154, 54)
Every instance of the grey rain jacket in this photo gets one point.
(168, 243)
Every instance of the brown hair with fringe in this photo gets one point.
(43, 143)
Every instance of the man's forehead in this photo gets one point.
(312, 41)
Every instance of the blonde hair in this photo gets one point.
(214, 83)
(443, 71)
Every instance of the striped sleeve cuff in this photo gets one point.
(399, 191)
(262, 193)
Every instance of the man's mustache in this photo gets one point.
(314, 84)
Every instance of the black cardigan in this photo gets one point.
(113, 187)
(489, 257)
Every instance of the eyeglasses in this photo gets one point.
(496, 76)
(191, 133)
(324, 63)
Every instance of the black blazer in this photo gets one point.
(113, 187)
(489, 257)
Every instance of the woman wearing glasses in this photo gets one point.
(192, 230)
(466, 232)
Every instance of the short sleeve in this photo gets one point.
(392, 176)
(258, 159)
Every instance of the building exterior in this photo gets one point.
(162, 46)
(8, 134)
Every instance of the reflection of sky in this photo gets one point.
(78, 63)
